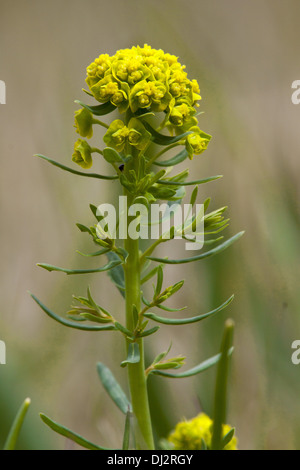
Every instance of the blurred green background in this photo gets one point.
(245, 57)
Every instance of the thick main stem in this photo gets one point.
(136, 372)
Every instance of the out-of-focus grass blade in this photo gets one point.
(220, 403)
(126, 437)
(15, 429)
(113, 388)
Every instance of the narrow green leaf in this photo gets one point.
(189, 183)
(15, 429)
(94, 210)
(126, 437)
(68, 323)
(194, 196)
(149, 332)
(76, 172)
(96, 253)
(159, 282)
(194, 371)
(164, 139)
(100, 110)
(133, 356)
(169, 309)
(149, 275)
(167, 365)
(59, 429)
(135, 314)
(117, 274)
(113, 388)
(70, 272)
(220, 402)
(162, 355)
(207, 254)
(123, 329)
(186, 321)
(180, 157)
(227, 438)
(94, 318)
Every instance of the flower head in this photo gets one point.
(142, 76)
(189, 435)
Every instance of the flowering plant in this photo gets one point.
(142, 85)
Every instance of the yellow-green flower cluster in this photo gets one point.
(142, 77)
(135, 134)
(188, 435)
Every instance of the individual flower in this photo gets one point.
(182, 115)
(149, 94)
(108, 89)
(116, 135)
(189, 435)
(197, 141)
(97, 69)
(82, 154)
(135, 134)
(84, 122)
(138, 136)
(130, 70)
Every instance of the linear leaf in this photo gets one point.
(149, 332)
(68, 323)
(164, 139)
(117, 274)
(63, 431)
(186, 321)
(15, 429)
(70, 272)
(207, 254)
(227, 438)
(113, 388)
(190, 183)
(124, 330)
(194, 371)
(96, 253)
(100, 110)
(180, 157)
(94, 318)
(76, 172)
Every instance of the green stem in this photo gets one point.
(136, 372)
